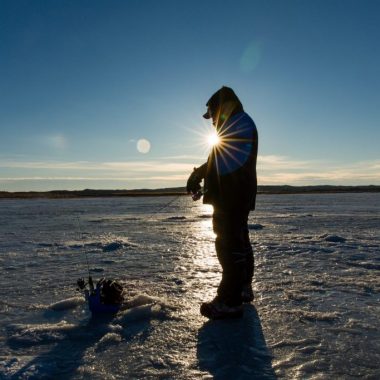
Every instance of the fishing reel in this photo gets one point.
(193, 185)
(197, 195)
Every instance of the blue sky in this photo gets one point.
(81, 82)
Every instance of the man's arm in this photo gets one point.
(193, 183)
(201, 171)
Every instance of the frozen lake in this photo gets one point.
(315, 314)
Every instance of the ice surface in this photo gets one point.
(316, 286)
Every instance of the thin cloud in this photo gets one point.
(273, 162)
(135, 166)
(184, 157)
(272, 170)
(121, 179)
(58, 141)
(281, 170)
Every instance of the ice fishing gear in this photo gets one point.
(193, 186)
(106, 297)
(197, 195)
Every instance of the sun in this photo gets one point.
(213, 139)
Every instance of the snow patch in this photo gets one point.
(143, 299)
(141, 313)
(294, 343)
(324, 316)
(11, 365)
(106, 245)
(333, 238)
(360, 325)
(40, 333)
(295, 296)
(143, 307)
(69, 303)
(107, 341)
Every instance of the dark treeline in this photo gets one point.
(285, 189)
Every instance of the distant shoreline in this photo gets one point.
(177, 191)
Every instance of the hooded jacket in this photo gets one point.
(230, 181)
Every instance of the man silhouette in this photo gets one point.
(230, 185)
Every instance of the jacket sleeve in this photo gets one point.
(201, 171)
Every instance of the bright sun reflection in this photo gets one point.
(213, 139)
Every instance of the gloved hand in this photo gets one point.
(193, 183)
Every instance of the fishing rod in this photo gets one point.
(166, 205)
(82, 241)
(81, 282)
(107, 296)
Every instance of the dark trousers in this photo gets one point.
(234, 253)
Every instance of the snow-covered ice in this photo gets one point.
(315, 314)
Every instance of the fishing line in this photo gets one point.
(165, 206)
(82, 240)
(160, 209)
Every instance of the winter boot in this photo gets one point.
(219, 310)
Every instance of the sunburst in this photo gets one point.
(220, 143)
(213, 139)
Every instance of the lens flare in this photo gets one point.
(213, 139)
(143, 146)
(224, 142)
